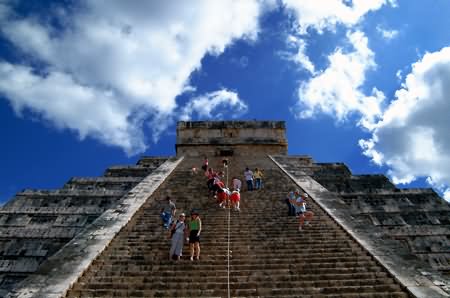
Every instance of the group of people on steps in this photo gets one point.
(217, 187)
(181, 230)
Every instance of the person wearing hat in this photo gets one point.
(178, 232)
(195, 228)
(304, 216)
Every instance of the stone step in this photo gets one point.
(220, 290)
(270, 257)
(281, 260)
(237, 256)
(345, 279)
(218, 269)
(221, 283)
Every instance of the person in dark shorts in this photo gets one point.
(205, 164)
(195, 228)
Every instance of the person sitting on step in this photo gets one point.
(304, 216)
(292, 195)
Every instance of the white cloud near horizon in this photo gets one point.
(337, 90)
(115, 66)
(412, 137)
(219, 104)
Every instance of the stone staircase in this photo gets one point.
(35, 224)
(267, 255)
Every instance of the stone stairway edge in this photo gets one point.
(57, 274)
(423, 288)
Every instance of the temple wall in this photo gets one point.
(225, 138)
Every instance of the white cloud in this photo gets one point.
(57, 98)
(218, 105)
(300, 56)
(387, 34)
(412, 138)
(447, 195)
(326, 14)
(336, 91)
(399, 75)
(122, 61)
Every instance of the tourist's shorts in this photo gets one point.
(193, 236)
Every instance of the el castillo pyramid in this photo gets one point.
(103, 237)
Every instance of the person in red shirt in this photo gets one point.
(235, 199)
(222, 197)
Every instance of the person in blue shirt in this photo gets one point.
(167, 212)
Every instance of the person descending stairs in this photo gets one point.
(257, 252)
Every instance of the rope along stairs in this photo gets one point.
(257, 252)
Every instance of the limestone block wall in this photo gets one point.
(415, 221)
(221, 138)
(35, 224)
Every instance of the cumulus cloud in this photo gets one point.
(336, 91)
(446, 195)
(326, 14)
(387, 34)
(412, 137)
(299, 57)
(124, 63)
(399, 75)
(218, 105)
(57, 98)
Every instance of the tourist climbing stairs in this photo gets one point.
(257, 252)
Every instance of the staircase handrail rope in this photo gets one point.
(228, 236)
(228, 253)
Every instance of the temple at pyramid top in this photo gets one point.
(231, 138)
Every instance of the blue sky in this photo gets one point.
(88, 84)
